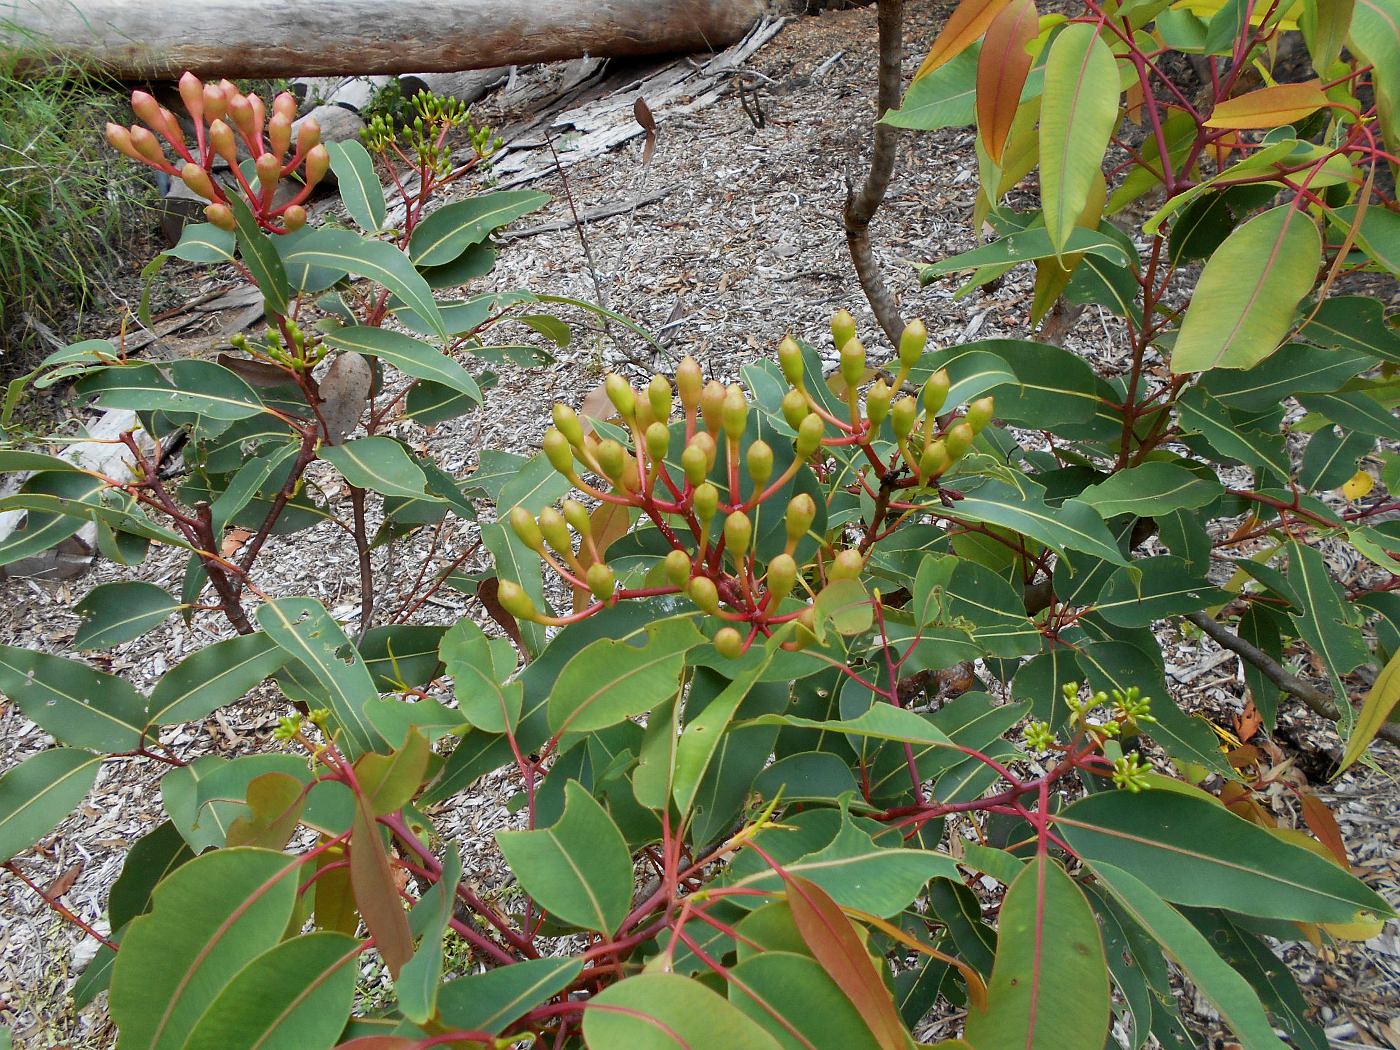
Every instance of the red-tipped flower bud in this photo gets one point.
(602, 581)
(259, 112)
(147, 109)
(240, 112)
(192, 94)
(215, 104)
(690, 381)
(221, 215)
(120, 140)
(912, 342)
(279, 135)
(222, 139)
(843, 328)
(294, 218)
(308, 135)
(729, 643)
(809, 436)
(148, 146)
(198, 180)
(790, 358)
(285, 105)
(269, 170)
(705, 594)
(318, 162)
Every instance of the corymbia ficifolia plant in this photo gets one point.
(828, 700)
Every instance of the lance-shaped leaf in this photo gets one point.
(1192, 851)
(795, 999)
(448, 232)
(379, 464)
(1002, 67)
(1077, 113)
(965, 26)
(580, 869)
(260, 256)
(1149, 490)
(1222, 985)
(211, 677)
(1153, 589)
(410, 356)
(208, 920)
(1323, 621)
(484, 701)
(358, 183)
(487, 1002)
(306, 631)
(199, 387)
(376, 892)
(1380, 701)
(1049, 987)
(1269, 107)
(205, 243)
(118, 612)
(705, 733)
(1202, 414)
(1072, 526)
(945, 98)
(1243, 304)
(419, 981)
(665, 1011)
(37, 794)
(76, 703)
(380, 261)
(47, 527)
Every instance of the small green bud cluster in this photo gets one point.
(1130, 773)
(228, 124)
(290, 346)
(1130, 709)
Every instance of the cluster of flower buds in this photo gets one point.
(227, 124)
(287, 345)
(425, 136)
(707, 506)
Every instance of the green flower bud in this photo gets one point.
(690, 381)
(576, 514)
(712, 405)
(569, 424)
(801, 512)
(658, 441)
(958, 440)
(612, 457)
(555, 531)
(705, 500)
(782, 577)
(735, 414)
(515, 601)
(558, 451)
(902, 417)
(936, 391)
(846, 566)
(523, 523)
(677, 566)
(659, 397)
(980, 412)
(738, 533)
(621, 394)
(729, 643)
(705, 594)
(790, 357)
(853, 362)
(877, 402)
(809, 436)
(795, 408)
(760, 457)
(912, 342)
(698, 458)
(843, 328)
(602, 581)
(935, 460)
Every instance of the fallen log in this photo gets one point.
(138, 39)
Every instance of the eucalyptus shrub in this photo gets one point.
(749, 812)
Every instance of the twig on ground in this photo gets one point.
(606, 211)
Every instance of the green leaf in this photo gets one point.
(379, 464)
(517, 563)
(797, 1002)
(448, 232)
(1243, 304)
(1357, 410)
(358, 183)
(204, 242)
(260, 256)
(43, 529)
(1149, 490)
(209, 920)
(1356, 323)
(1374, 37)
(1026, 246)
(534, 487)
(39, 793)
(306, 631)
(1200, 413)
(1324, 622)
(1153, 589)
(1049, 987)
(580, 869)
(1077, 112)
(113, 613)
(705, 733)
(199, 387)
(1222, 985)
(613, 678)
(484, 701)
(379, 261)
(1193, 851)
(419, 980)
(78, 704)
(1071, 526)
(880, 722)
(153, 857)
(294, 996)
(1047, 385)
(410, 356)
(945, 98)
(389, 782)
(1376, 709)
(665, 1011)
(212, 677)
(1296, 368)
(488, 1002)
(1330, 458)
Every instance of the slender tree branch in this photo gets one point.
(861, 206)
(1319, 702)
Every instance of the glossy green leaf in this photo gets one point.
(1331, 457)
(358, 184)
(664, 1011)
(1296, 368)
(1151, 489)
(260, 257)
(448, 232)
(202, 242)
(78, 704)
(420, 979)
(46, 528)
(210, 919)
(705, 734)
(484, 701)
(1356, 323)
(796, 1001)
(1200, 413)
(945, 98)
(580, 869)
(212, 677)
(487, 1002)
(1153, 589)
(379, 464)
(199, 387)
(150, 859)
(1077, 112)
(1193, 851)
(535, 487)
(379, 261)
(40, 792)
(113, 613)
(1049, 987)
(389, 782)
(410, 356)
(518, 564)
(1072, 526)
(1243, 304)
(1324, 621)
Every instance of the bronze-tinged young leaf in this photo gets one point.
(376, 893)
(1269, 107)
(1244, 302)
(1049, 988)
(964, 28)
(1002, 68)
(836, 945)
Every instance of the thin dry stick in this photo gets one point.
(1318, 702)
(861, 207)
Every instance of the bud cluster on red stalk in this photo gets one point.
(228, 124)
(713, 481)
